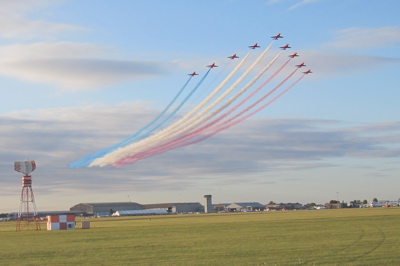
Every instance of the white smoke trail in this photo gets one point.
(188, 115)
(171, 145)
(181, 126)
(228, 91)
(203, 116)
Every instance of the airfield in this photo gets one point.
(365, 236)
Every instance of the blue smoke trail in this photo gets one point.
(85, 161)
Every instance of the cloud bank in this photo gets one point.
(56, 137)
(361, 38)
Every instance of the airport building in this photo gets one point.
(245, 206)
(176, 207)
(132, 208)
(105, 208)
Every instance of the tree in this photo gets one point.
(375, 200)
(365, 201)
(271, 202)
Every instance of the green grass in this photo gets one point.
(320, 237)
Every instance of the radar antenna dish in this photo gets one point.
(25, 167)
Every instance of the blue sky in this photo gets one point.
(79, 76)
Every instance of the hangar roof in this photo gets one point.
(248, 204)
(111, 204)
(167, 205)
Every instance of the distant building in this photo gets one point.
(335, 205)
(221, 207)
(105, 208)
(246, 206)
(284, 206)
(176, 207)
(140, 212)
(383, 203)
(43, 214)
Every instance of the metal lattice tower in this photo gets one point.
(27, 214)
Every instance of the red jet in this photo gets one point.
(276, 37)
(212, 65)
(285, 46)
(233, 56)
(193, 74)
(301, 65)
(254, 46)
(293, 55)
(307, 72)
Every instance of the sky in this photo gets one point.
(79, 76)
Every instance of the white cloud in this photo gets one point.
(73, 66)
(300, 3)
(367, 37)
(60, 136)
(23, 6)
(42, 50)
(15, 24)
(21, 28)
(304, 2)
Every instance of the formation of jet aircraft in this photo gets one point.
(254, 46)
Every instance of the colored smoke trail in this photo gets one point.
(209, 117)
(85, 161)
(99, 161)
(228, 124)
(202, 117)
(235, 97)
(180, 127)
(184, 140)
(231, 122)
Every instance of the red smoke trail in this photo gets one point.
(173, 141)
(231, 122)
(182, 141)
(210, 124)
(185, 124)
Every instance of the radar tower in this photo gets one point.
(27, 214)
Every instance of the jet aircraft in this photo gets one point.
(293, 55)
(193, 74)
(233, 56)
(301, 65)
(307, 72)
(276, 37)
(254, 46)
(285, 46)
(212, 65)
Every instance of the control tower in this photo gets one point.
(207, 204)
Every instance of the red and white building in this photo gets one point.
(61, 222)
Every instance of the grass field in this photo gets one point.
(318, 237)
